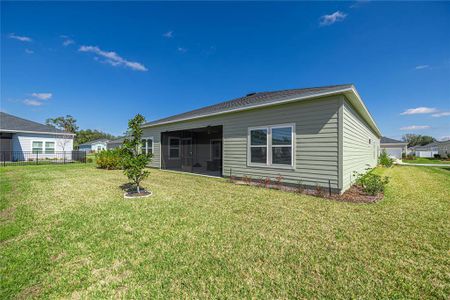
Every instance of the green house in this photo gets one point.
(313, 136)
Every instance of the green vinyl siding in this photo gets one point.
(315, 145)
(358, 153)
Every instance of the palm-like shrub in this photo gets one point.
(385, 160)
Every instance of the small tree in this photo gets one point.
(133, 160)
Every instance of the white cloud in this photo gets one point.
(441, 114)
(20, 38)
(182, 50)
(42, 96)
(168, 34)
(421, 67)
(419, 110)
(337, 16)
(415, 127)
(29, 51)
(113, 58)
(68, 42)
(32, 102)
(445, 138)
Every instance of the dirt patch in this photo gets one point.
(30, 292)
(7, 214)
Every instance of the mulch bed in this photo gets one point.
(134, 194)
(354, 194)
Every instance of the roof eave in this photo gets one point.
(37, 132)
(349, 91)
(357, 102)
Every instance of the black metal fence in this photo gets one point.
(22, 158)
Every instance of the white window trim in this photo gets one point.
(45, 147)
(269, 146)
(42, 148)
(211, 149)
(146, 144)
(179, 147)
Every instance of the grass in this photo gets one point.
(424, 160)
(67, 232)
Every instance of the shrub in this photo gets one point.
(372, 184)
(385, 160)
(108, 159)
(133, 160)
(437, 156)
(89, 160)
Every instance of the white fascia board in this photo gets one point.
(37, 132)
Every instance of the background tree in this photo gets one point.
(417, 139)
(87, 135)
(133, 160)
(67, 123)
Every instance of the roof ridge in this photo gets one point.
(258, 95)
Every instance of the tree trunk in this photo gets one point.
(137, 186)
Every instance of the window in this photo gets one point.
(216, 149)
(147, 146)
(174, 148)
(49, 147)
(37, 147)
(271, 146)
(282, 146)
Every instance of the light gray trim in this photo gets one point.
(38, 132)
(341, 143)
(269, 147)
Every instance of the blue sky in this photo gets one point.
(104, 62)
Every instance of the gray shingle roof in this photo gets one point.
(250, 100)
(16, 124)
(386, 140)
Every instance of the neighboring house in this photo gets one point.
(393, 148)
(427, 151)
(24, 139)
(312, 136)
(115, 143)
(444, 149)
(94, 146)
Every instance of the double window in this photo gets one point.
(174, 148)
(37, 147)
(49, 147)
(147, 145)
(271, 146)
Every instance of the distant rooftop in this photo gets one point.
(386, 140)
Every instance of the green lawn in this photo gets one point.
(66, 231)
(424, 160)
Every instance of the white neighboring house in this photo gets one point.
(428, 151)
(94, 146)
(393, 148)
(22, 139)
(444, 149)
